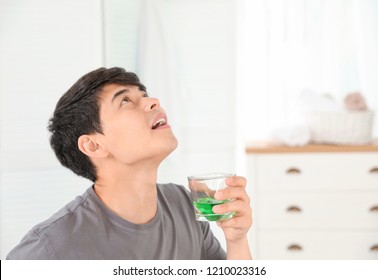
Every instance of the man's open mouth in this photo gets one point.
(160, 122)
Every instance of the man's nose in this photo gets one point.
(152, 103)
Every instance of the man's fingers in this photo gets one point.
(236, 181)
(232, 193)
(238, 206)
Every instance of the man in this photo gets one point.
(107, 129)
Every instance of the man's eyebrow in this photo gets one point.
(125, 90)
(118, 93)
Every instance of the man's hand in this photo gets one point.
(236, 228)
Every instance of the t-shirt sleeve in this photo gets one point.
(33, 246)
(214, 250)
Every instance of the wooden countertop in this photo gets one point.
(269, 148)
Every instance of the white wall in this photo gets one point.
(121, 33)
(45, 46)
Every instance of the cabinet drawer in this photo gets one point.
(317, 211)
(325, 171)
(317, 245)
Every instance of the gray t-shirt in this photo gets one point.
(86, 229)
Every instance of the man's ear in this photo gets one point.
(89, 145)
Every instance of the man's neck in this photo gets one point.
(129, 191)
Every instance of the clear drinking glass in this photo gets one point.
(203, 188)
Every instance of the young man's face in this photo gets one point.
(135, 127)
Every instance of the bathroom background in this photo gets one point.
(227, 72)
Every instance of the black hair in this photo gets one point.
(77, 113)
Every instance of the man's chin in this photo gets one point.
(172, 147)
(165, 147)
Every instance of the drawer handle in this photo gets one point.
(293, 171)
(374, 248)
(374, 209)
(294, 209)
(295, 248)
(374, 171)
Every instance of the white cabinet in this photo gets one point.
(314, 203)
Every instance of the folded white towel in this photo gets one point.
(312, 101)
(291, 135)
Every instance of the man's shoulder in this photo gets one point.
(72, 210)
(40, 241)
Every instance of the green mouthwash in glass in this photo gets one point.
(204, 207)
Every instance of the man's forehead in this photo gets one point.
(112, 88)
